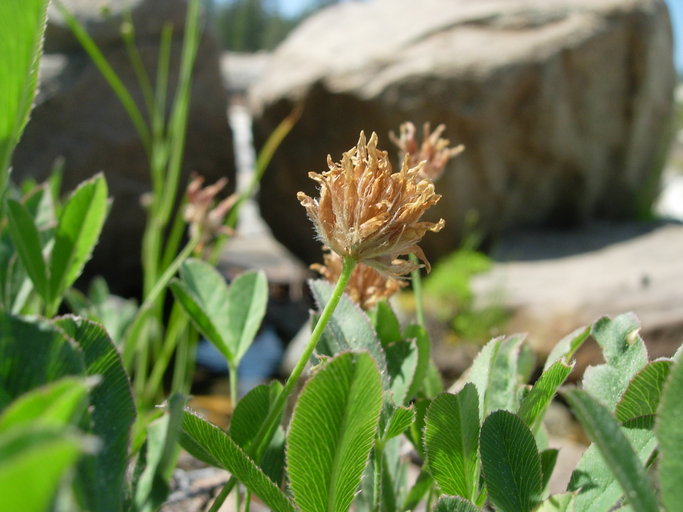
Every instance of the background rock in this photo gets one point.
(562, 106)
(553, 282)
(77, 116)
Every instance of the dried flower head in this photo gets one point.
(366, 286)
(434, 150)
(370, 214)
(205, 221)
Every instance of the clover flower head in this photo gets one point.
(366, 286)
(369, 213)
(433, 150)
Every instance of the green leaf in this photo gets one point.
(624, 353)
(557, 503)
(247, 299)
(567, 346)
(669, 430)
(548, 461)
(597, 488)
(32, 462)
(618, 453)
(23, 24)
(78, 231)
(401, 420)
(113, 413)
(203, 293)
(451, 440)
(535, 403)
(251, 411)
(402, 358)
(386, 324)
(511, 463)
(495, 373)
(248, 416)
(455, 504)
(332, 432)
(642, 395)
(33, 353)
(421, 406)
(160, 454)
(209, 443)
(348, 329)
(27, 243)
(53, 405)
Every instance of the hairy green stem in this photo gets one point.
(269, 426)
(416, 279)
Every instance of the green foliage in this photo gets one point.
(332, 432)
(451, 440)
(78, 229)
(23, 25)
(615, 449)
(454, 504)
(511, 462)
(669, 431)
(228, 316)
(209, 443)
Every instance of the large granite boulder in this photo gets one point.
(77, 116)
(562, 106)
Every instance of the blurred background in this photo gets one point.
(566, 204)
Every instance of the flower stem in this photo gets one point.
(267, 430)
(416, 279)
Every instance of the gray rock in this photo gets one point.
(77, 116)
(562, 106)
(103, 19)
(553, 282)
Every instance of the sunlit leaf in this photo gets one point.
(113, 412)
(20, 46)
(535, 403)
(209, 443)
(669, 430)
(642, 394)
(624, 353)
(511, 463)
(332, 432)
(618, 453)
(78, 231)
(451, 440)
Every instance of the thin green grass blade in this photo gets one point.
(109, 74)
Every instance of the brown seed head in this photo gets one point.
(369, 213)
(366, 286)
(205, 219)
(434, 150)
